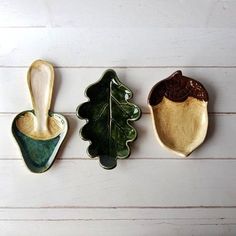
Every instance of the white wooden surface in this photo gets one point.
(153, 192)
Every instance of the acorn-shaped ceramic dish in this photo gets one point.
(178, 107)
(109, 114)
(39, 132)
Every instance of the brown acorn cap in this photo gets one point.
(177, 88)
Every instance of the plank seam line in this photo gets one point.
(132, 219)
(118, 207)
(129, 67)
(135, 158)
(155, 218)
(143, 113)
(24, 27)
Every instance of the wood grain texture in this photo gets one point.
(153, 192)
(107, 228)
(135, 183)
(70, 84)
(221, 127)
(119, 46)
(105, 13)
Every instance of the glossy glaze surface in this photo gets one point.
(177, 88)
(39, 154)
(108, 113)
(39, 132)
(178, 106)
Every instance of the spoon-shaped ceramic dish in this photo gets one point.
(109, 113)
(178, 106)
(39, 132)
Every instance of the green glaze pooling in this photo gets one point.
(108, 113)
(38, 154)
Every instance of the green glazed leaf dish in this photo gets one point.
(39, 132)
(108, 113)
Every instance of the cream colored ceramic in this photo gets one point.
(179, 111)
(39, 125)
(40, 132)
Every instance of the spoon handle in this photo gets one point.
(40, 79)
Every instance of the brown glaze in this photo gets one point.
(177, 88)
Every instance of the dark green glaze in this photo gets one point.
(108, 113)
(39, 155)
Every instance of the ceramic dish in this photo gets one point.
(178, 106)
(39, 132)
(108, 113)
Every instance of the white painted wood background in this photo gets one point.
(153, 192)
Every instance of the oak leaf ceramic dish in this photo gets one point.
(178, 106)
(109, 113)
(39, 132)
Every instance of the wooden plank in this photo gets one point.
(107, 228)
(71, 83)
(142, 183)
(119, 46)
(221, 127)
(153, 192)
(120, 13)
